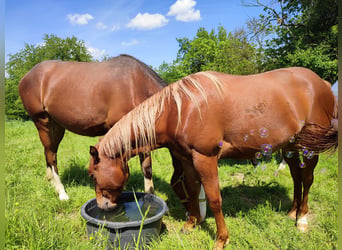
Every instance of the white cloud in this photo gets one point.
(79, 19)
(184, 11)
(96, 53)
(130, 43)
(147, 21)
(101, 26)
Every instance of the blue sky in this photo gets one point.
(146, 29)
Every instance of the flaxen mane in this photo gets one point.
(141, 120)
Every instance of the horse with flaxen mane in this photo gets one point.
(209, 115)
(87, 99)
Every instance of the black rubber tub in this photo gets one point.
(123, 231)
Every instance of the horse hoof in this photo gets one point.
(303, 227)
(292, 215)
(63, 197)
(220, 245)
(302, 224)
(186, 229)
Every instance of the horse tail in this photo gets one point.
(317, 138)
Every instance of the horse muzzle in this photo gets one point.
(106, 204)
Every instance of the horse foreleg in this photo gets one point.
(208, 171)
(146, 167)
(186, 185)
(50, 135)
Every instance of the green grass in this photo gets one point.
(255, 207)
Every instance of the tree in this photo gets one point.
(170, 72)
(52, 48)
(234, 54)
(224, 52)
(299, 33)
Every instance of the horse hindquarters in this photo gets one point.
(50, 133)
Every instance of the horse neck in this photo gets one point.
(136, 131)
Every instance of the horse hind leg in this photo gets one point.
(302, 175)
(178, 182)
(293, 160)
(51, 134)
(307, 173)
(146, 167)
(185, 183)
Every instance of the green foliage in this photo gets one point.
(170, 72)
(316, 59)
(299, 33)
(224, 52)
(235, 55)
(255, 200)
(52, 48)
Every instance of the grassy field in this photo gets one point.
(255, 200)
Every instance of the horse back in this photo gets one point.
(80, 95)
(252, 110)
(294, 89)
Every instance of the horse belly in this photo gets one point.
(80, 119)
(83, 125)
(247, 134)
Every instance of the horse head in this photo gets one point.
(109, 175)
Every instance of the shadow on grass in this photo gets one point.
(233, 162)
(242, 198)
(76, 174)
(235, 199)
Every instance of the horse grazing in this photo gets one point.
(209, 115)
(87, 99)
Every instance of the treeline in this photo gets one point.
(288, 33)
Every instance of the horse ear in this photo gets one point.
(95, 154)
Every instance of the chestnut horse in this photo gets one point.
(87, 99)
(209, 115)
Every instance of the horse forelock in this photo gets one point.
(138, 125)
